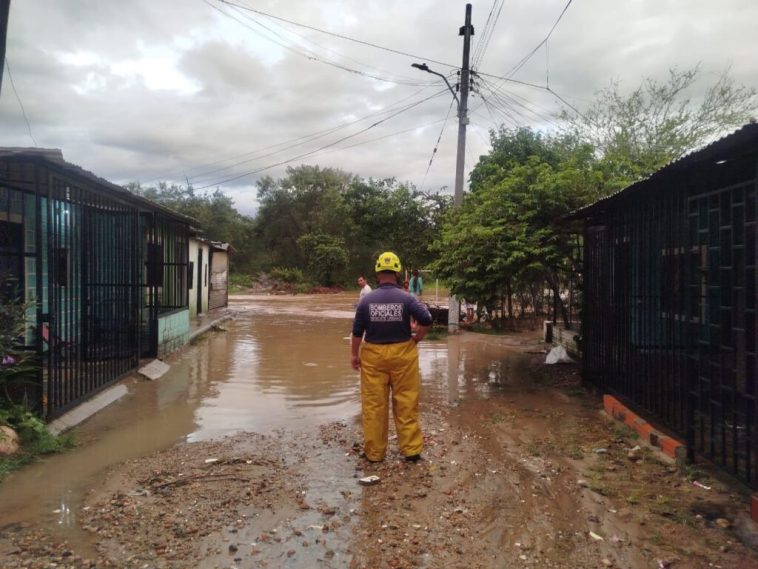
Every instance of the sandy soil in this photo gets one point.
(533, 476)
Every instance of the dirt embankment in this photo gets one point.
(529, 476)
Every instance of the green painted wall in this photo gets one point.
(173, 331)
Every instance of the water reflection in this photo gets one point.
(285, 371)
(282, 363)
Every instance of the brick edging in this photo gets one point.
(669, 446)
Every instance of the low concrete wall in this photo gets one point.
(173, 331)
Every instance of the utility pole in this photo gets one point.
(466, 31)
(5, 6)
(453, 314)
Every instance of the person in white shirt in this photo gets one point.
(365, 287)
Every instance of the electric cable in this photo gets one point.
(18, 98)
(341, 36)
(528, 56)
(310, 56)
(436, 145)
(309, 153)
(303, 38)
(292, 142)
(487, 36)
(198, 177)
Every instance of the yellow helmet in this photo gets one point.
(388, 261)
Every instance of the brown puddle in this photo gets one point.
(281, 364)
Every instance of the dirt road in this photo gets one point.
(531, 475)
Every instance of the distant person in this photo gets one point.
(388, 361)
(406, 285)
(416, 284)
(364, 286)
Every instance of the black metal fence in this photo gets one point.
(98, 270)
(669, 318)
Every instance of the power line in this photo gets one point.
(484, 44)
(362, 42)
(292, 142)
(307, 55)
(506, 99)
(528, 56)
(336, 52)
(534, 86)
(296, 142)
(20, 104)
(309, 153)
(436, 145)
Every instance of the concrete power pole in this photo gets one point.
(5, 6)
(466, 31)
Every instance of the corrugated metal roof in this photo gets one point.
(718, 150)
(54, 157)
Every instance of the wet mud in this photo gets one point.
(519, 469)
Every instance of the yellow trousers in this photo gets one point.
(389, 368)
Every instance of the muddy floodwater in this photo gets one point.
(246, 454)
(281, 363)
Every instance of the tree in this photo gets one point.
(215, 213)
(635, 134)
(504, 239)
(325, 256)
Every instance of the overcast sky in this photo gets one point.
(150, 90)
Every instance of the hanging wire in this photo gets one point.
(436, 146)
(18, 98)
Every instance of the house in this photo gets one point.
(104, 270)
(218, 294)
(199, 263)
(208, 275)
(669, 315)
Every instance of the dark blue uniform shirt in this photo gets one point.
(385, 315)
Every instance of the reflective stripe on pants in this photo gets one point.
(385, 368)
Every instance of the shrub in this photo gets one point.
(287, 274)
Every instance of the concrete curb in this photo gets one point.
(207, 327)
(85, 410)
(668, 445)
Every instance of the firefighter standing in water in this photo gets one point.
(388, 361)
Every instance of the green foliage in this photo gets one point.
(503, 239)
(333, 224)
(239, 282)
(287, 275)
(216, 216)
(15, 364)
(325, 256)
(637, 133)
(35, 439)
(23, 421)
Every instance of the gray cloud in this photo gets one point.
(155, 89)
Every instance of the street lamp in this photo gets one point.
(425, 67)
(452, 304)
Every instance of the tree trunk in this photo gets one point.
(558, 301)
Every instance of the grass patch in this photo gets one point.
(32, 451)
(239, 282)
(541, 448)
(693, 472)
(436, 333)
(575, 453)
(622, 432)
(35, 440)
(497, 417)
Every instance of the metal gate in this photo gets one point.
(669, 321)
(723, 314)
